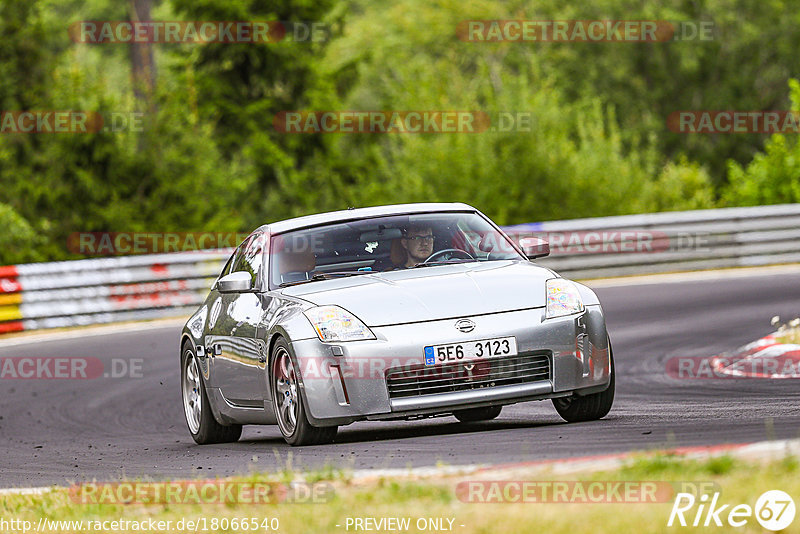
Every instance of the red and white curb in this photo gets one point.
(763, 358)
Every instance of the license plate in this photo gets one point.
(471, 350)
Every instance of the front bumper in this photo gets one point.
(346, 382)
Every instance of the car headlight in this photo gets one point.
(333, 323)
(563, 298)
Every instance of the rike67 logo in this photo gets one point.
(774, 510)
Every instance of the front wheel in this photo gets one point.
(576, 409)
(202, 425)
(288, 402)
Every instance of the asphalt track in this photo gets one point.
(65, 431)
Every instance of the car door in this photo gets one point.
(241, 359)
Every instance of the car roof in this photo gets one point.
(352, 214)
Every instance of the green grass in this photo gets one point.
(737, 480)
(791, 335)
(671, 464)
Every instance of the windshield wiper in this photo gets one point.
(325, 276)
(330, 274)
(443, 262)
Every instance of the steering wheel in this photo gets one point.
(451, 253)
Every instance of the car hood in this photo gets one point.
(432, 293)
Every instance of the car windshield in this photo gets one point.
(384, 244)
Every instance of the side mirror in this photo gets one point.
(235, 282)
(534, 247)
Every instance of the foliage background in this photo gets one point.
(209, 159)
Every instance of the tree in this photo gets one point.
(241, 87)
(773, 176)
(143, 67)
(574, 160)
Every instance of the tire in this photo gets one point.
(577, 409)
(203, 427)
(474, 415)
(289, 406)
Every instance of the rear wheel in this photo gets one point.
(575, 408)
(202, 425)
(473, 415)
(288, 402)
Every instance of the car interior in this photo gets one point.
(370, 245)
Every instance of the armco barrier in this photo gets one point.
(70, 293)
(105, 290)
(670, 241)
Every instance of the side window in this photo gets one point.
(250, 257)
(236, 259)
(227, 269)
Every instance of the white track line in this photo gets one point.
(694, 276)
(94, 330)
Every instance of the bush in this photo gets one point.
(772, 177)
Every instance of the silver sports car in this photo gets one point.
(391, 312)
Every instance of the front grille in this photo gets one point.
(418, 380)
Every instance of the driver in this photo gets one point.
(417, 241)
